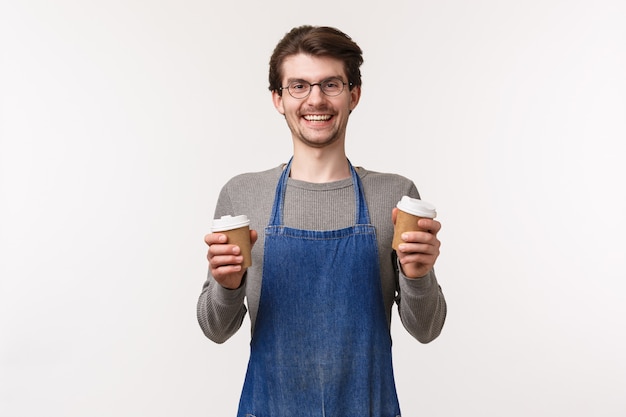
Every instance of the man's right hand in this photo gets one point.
(225, 259)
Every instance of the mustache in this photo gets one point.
(320, 109)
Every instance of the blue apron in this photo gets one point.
(321, 345)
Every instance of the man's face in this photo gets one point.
(317, 120)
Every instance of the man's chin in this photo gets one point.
(319, 142)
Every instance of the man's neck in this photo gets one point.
(319, 166)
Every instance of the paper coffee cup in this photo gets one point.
(410, 210)
(237, 228)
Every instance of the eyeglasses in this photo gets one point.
(301, 89)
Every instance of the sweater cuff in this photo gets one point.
(418, 286)
(226, 296)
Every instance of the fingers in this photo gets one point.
(218, 259)
(220, 238)
(417, 259)
(214, 238)
(417, 253)
(426, 236)
(420, 249)
(220, 252)
(225, 260)
(431, 225)
(419, 243)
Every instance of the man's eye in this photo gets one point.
(297, 86)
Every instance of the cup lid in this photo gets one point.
(230, 222)
(417, 207)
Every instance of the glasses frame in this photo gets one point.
(319, 84)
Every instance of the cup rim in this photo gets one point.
(229, 222)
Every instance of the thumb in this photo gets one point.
(394, 214)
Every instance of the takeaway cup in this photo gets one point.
(410, 210)
(237, 228)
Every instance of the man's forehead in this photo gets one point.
(304, 66)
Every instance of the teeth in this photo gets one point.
(317, 117)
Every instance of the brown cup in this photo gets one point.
(410, 211)
(237, 229)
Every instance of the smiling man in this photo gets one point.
(317, 117)
(324, 277)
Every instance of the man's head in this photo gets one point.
(320, 41)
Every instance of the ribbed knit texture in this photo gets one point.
(327, 206)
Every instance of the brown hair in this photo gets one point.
(316, 41)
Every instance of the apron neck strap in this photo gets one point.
(362, 213)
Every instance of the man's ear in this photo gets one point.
(277, 99)
(355, 96)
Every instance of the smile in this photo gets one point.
(317, 117)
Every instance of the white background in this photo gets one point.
(117, 128)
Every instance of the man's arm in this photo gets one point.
(422, 306)
(220, 311)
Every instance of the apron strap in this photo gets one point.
(362, 213)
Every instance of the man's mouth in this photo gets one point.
(317, 117)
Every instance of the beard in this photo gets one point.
(317, 138)
(317, 141)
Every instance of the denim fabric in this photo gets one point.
(321, 345)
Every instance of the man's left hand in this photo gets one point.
(420, 249)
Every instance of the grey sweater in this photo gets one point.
(312, 206)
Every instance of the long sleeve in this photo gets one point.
(422, 306)
(220, 311)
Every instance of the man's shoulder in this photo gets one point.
(256, 179)
(386, 185)
(376, 177)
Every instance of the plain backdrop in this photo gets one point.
(121, 120)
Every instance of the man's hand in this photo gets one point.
(420, 249)
(225, 260)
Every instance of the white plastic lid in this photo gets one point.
(230, 223)
(417, 207)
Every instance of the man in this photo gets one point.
(324, 277)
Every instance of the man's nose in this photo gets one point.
(316, 94)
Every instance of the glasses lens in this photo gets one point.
(332, 86)
(299, 89)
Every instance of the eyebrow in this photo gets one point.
(290, 80)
